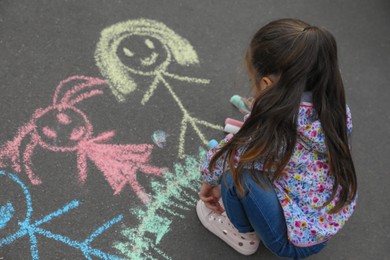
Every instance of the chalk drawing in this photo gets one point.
(173, 198)
(32, 229)
(62, 127)
(160, 138)
(6, 213)
(157, 46)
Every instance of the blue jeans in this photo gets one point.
(259, 210)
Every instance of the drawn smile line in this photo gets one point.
(150, 60)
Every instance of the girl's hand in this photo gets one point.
(210, 195)
(249, 102)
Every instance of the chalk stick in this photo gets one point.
(237, 101)
(229, 136)
(232, 126)
(230, 121)
(212, 143)
(231, 129)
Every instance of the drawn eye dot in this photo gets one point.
(64, 119)
(127, 52)
(77, 134)
(149, 43)
(49, 132)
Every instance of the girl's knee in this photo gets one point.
(290, 251)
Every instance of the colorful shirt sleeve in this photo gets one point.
(214, 178)
(349, 120)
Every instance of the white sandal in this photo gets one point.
(219, 224)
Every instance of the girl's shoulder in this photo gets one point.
(310, 130)
(308, 115)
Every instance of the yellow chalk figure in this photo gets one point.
(157, 47)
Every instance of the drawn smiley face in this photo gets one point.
(143, 54)
(62, 129)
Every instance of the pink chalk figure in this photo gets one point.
(62, 127)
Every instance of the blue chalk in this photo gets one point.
(212, 143)
(237, 101)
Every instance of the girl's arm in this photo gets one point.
(213, 178)
(211, 195)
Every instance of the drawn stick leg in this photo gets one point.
(148, 169)
(28, 163)
(183, 130)
(150, 91)
(82, 165)
(134, 184)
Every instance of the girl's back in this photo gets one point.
(296, 136)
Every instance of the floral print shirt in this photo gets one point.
(307, 185)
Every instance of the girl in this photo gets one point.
(288, 175)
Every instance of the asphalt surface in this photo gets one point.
(80, 210)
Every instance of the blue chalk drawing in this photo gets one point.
(6, 213)
(31, 229)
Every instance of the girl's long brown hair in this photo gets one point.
(305, 58)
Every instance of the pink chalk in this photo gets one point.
(119, 163)
(233, 122)
(49, 132)
(64, 119)
(232, 126)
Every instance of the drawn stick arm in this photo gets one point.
(86, 250)
(73, 204)
(207, 124)
(188, 79)
(102, 228)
